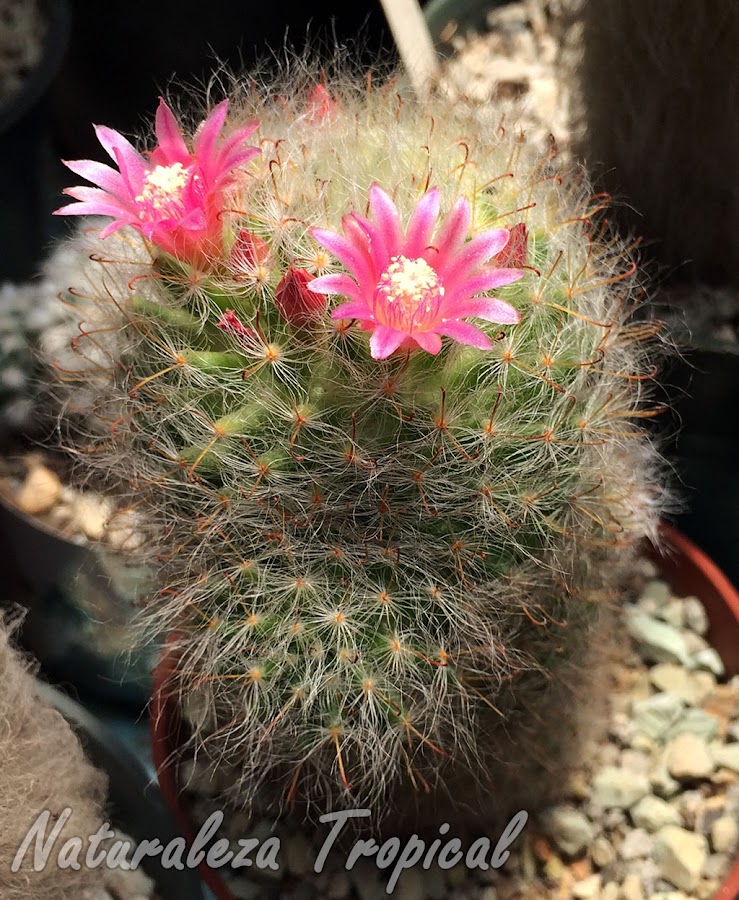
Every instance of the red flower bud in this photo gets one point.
(513, 255)
(249, 254)
(231, 324)
(295, 301)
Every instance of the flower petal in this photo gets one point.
(342, 285)
(478, 284)
(452, 233)
(489, 308)
(474, 254)
(346, 252)
(385, 341)
(352, 310)
(172, 147)
(429, 341)
(422, 223)
(385, 214)
(87, 209)
(375, 242)
(129, 160)
(99, 174)
(95, 195)
(466, 334)
(209, 131)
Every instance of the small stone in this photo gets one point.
(673, 679)
(705, 685)
(124, 533)
(568, 828)
(680, 855)
(578, 787)
(339, 887)
(643, 743)
(631, 888)
(610, 891)
(633, 761)
(663, 784)
(614, 819)
(40, 491)
(299, 855)
(691, 804)
(91, 514)
(652, 813)
(726, 755)
(659, 642)
(435, 887)
(622, 727)
(707, 888)
(724, 835)
(694, 642)
(722, 703)
(688, 757)
(696, 618)
(366, 881)
(732, 732)
(710, 660)
(696, 721)
(636, 845)
(457, 875)
(488, 893)
(587, 888)
(614, 787)
(554, 868)
(673, 612)
(655, 715)
(244, 889)
(656, 590)
(717, 865)
(410, 886)
(602, 852)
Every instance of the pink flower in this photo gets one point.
(295, 301)
(409, 288)
(175, 197)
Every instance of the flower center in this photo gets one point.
(161, 195)
(408, 295)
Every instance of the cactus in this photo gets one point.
(382, 513)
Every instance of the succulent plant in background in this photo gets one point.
(381, 414)
(29, 313)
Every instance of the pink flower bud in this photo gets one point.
(232, 324)
(513, 255)
(296, 302)
(320, 105)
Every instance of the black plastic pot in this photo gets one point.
(704, 387)
(446, 18)
(25, 155)
(81, 603)
(135, 803)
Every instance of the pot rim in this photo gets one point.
(676, 554)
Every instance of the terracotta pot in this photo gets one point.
(682, 564)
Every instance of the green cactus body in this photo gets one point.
(362, 559)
